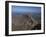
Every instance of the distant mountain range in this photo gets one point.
(25, 13)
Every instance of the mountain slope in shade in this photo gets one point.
(23, 22)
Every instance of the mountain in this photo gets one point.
(25, 21)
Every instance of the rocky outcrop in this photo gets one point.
(23, 22)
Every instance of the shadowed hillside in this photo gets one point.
(25, 22)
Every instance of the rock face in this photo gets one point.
(23, 22)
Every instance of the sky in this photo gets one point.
(24, 9)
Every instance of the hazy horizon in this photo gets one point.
(25, 9)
